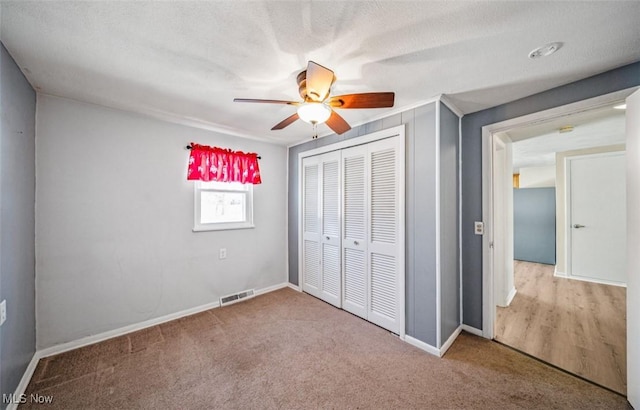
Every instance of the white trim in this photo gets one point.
(294, 287)
(472, 330)
(402, 199)
(450, 340)
(585, 279)
(26, 378)
(422, 345)
(558, 274)
(89, 340)
(286, 220)
(434, 350)
(488, 307)
(511, 295)
(562, 275)
(437, 233)
(450, 105)
(460, 216)
(352, 142)
(271, 288)
(386, 114)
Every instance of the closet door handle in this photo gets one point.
(356, 242)
(327, 237)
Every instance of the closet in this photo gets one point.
(352, 214)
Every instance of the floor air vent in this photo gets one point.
(237, 297)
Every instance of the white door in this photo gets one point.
(373, 247)
(354, 243)
(311, 226)
(321, 227)
(386, 236)
(596, 193)
(330, 236)
(633, 238)
(353, 230)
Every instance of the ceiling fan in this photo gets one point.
(316, 107)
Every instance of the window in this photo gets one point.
(222, 205)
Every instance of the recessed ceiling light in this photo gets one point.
(620, 107)
(545, 50)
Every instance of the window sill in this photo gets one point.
(223, 227)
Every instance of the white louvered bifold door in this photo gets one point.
(384, 244)
(354, 240)
(330, 225)
(353, 234)
(311, 245)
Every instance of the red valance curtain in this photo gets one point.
(223, 165)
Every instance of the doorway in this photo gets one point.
(557, 301)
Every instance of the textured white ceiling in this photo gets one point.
(188, 60)
(537, 145)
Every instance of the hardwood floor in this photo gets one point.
(577, 326)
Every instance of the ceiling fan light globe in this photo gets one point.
(314, 112)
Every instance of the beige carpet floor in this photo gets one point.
(289, 350)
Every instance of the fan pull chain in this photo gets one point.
(315, 131)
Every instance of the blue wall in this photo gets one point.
(17, 224)
(601, 84)
(534, 225)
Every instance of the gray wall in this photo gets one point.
(449, 232)
(420, 212)
(610, 81)
(115, 217)
(17, 201)
(534, 225)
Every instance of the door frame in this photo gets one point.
(397, 131)
(567, 216)
(488, 134)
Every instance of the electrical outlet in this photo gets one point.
(478, 228)
(223, 253)
(3, 312)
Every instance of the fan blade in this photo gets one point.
(337, 123)
(364, 100)
(253, 100)
(319, 81)
(286, 122)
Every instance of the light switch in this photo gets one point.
(478, 228)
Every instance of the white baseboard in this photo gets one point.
(558, 274)
(585, 279)
(422, 345)
(294, 287)
(472, 330)
(511, 295)
(89, 340)
(26, 378)
(271, 288)
(450, 341)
